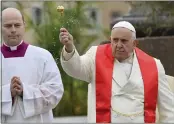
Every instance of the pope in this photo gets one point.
(126, 85)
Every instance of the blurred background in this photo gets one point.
(90, 24)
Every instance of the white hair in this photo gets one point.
(133, 35)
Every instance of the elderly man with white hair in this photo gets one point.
(126, 85)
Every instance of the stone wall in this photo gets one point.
(161, 48)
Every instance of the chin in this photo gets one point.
(13, 42)
(118, 57)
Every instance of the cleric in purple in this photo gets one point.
(31, 82)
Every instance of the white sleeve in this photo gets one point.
(42, 98)
(7, 107)
(171, 82)
(165, 97)
(80, 67)
(66, 56)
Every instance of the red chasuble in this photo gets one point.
(104, 72)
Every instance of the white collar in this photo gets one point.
(13, 47)
(129, 59)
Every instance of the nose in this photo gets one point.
(119, 44)
(13, 30)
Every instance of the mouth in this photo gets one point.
(12, 37)
(119, 51)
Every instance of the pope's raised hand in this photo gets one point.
(66, 39)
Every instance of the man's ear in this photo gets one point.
(24, 26)
(136, 43)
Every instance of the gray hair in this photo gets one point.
(133, 35)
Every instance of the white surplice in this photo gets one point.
(42, 87)
(127, 90)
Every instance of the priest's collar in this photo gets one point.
(12, 48)
(129, 59)
(15, 51)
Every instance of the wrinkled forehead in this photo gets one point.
(121, 32)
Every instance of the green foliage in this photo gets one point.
(74, 101)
